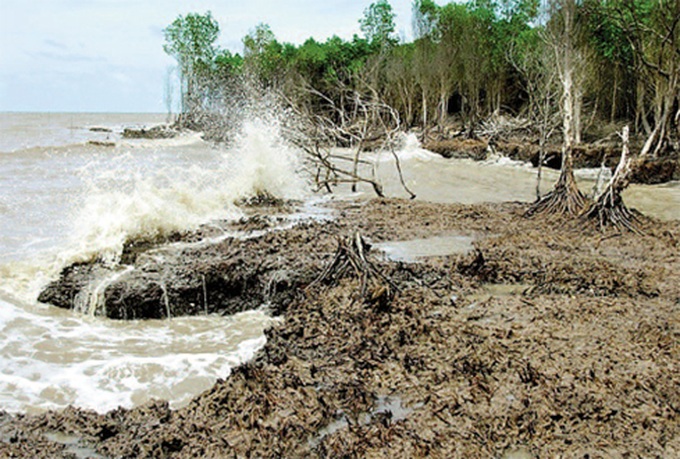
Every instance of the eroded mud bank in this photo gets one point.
(577, 357)
(652, 171)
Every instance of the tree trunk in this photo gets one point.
(609, 208)
(612, 115)
(578, 104)
(424, 116)
(565, 198)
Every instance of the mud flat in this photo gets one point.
(547, 339)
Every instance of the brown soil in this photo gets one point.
(578, 359)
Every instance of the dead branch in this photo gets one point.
(356, 123)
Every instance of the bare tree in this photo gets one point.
(168, 92)
(540, 81)
(359, 122)
(608, 208)
(565, 197)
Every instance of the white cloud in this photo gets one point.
(71, 46)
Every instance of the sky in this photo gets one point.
(107, 55)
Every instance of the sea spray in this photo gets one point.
(132, 198)
(92, 298)
(264, 163)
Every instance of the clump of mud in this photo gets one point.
(578, 358)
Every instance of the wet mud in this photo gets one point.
(547, 339)
(652, 171)
(224, 268)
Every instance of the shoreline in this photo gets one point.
(548, 338)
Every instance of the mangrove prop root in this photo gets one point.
(351, 259)
(564, 200)
(609, 208)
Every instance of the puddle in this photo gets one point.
(436, 246)
(73, 446)
(383, 404)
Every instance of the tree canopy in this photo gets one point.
(378, 23)
(463, 62)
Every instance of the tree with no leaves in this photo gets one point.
(565, 197)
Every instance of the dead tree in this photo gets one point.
(608, 209)
(539, 79)
(358, 122)
(565, 197)
(351, 260)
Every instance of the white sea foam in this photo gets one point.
(98, 198)
(50, 360)
(264, 163)
(128, 199)
(410, 149)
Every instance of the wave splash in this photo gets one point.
(145, 198)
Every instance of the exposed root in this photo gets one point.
(609, 208)
(351, 260)
(564, 200)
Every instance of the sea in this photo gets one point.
(72, 189)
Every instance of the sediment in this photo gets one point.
(161, 131)
(549, 339)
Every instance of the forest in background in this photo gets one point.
(545, 72)
(467, 61)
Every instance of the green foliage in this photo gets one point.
(191, 39)
(263, 54)
(468, 51)
(378, 23)
(228, 64)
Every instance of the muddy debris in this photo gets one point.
(162, 131)
(577, 358)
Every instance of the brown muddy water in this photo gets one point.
(436, 179)
(414, 249)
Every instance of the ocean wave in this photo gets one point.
(53, 358)
(127, 200)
